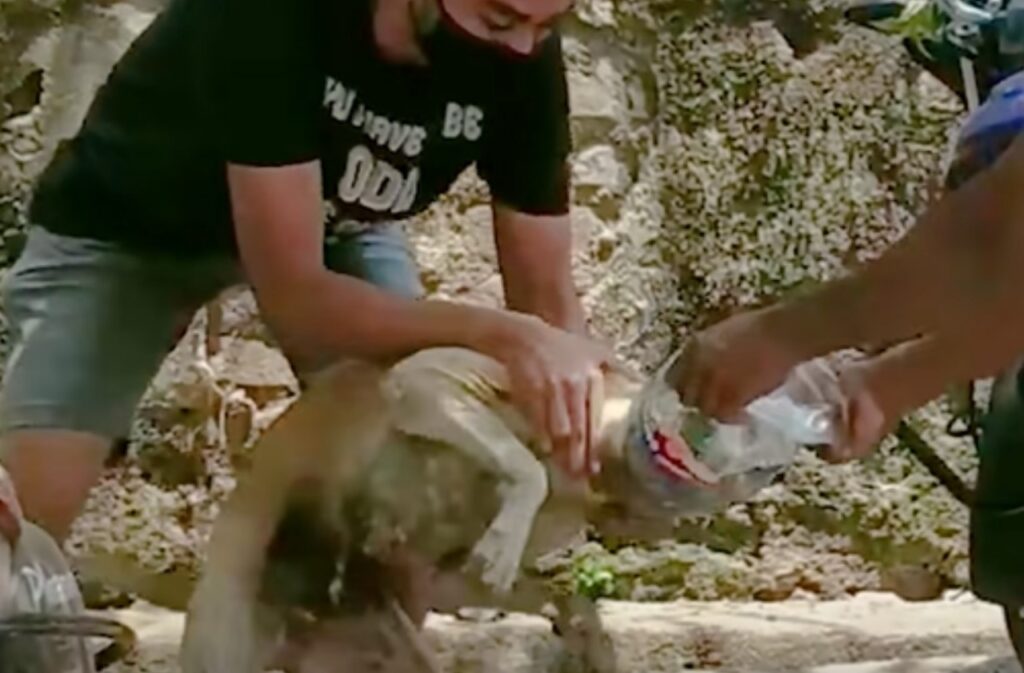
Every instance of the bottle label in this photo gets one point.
(673, 455)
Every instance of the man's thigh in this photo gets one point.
(997, 518)
(89, 325)
(380, 255)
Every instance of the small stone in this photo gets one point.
(252, 364)
(586, 228)
(597, 168)
(597, 92)
(912, 582)
(25, 147)
(596, 13)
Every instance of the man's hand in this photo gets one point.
(737, 360)
(554, 376)
(877, 392)
(867, 416)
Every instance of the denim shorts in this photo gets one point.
(91, 322)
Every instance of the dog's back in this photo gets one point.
(363, 484)
(403, 489)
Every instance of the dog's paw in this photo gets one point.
(222, 632)
(498, 558)
(480, 615)
(588, 646)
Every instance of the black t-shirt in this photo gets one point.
(275, 82)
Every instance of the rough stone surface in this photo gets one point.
(868, 634)
(726, 153)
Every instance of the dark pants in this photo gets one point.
(997, 518)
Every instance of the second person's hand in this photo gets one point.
(729, 364)
(868, 414)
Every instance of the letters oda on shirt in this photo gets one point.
(373, 182)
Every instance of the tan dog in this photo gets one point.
(382, 494)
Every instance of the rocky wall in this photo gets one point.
(725, 153)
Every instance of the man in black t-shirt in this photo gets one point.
(278, 143)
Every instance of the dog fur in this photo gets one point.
(385, 493)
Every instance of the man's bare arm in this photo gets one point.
(535, 257)
(962, 262)
(317, 314)
(916, 372)
(965, 252)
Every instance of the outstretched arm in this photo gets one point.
(880, 391)
(962, 264)
(963, 257)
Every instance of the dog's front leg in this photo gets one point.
(500, 551)
(441, 396)
(588, 647)
(227, 630)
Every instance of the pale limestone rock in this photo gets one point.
(598, 169)
(597, 13)
(854, 636)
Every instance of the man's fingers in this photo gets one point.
(594, 401)
(723, 402)
(559, 425)
(698, 393)
(843, 450)
(835, 455)
(574, 395)
(531, 391)
(688, 374)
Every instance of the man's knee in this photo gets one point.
(53, 472)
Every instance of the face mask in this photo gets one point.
(447, 44)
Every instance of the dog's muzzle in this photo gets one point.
(682, 462)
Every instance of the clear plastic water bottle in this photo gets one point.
(691, 464)
(36, 580)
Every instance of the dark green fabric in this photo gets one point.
(997, 518)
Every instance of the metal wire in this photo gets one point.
(123, 638)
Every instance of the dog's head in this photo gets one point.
(658, 464)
